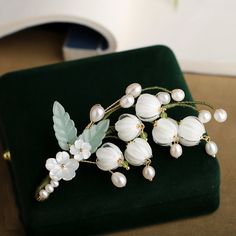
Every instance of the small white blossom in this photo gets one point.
(62, 167)
(81, 150)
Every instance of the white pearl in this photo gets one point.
(220, 115)
(49, 188)
(97, 112)
(211, 148)
(204, 116)
(43, 194)
(118, 179)
(134, 89)
(177, 95)
(176, 150)
(54, 183)
(163, 97)
(149, 172)
(127, 101)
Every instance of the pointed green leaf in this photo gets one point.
(95, 134)
(64, 127)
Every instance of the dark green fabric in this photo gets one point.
(90, 203)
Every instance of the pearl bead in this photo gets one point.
(54, 183)
(211, 148)
(220, 115)
(176, 150)
(149, 172)
(49, 188)
(204, 116)
(97, 112)
(177, 95)
(43, 194)
(134, 89)
(118, 179)
(127, 101)
(163, 97)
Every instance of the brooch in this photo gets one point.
(151, 105)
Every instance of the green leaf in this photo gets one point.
(64, 127)
(95, 134)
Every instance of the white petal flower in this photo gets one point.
(128, 127)
(165, 131)
(62, 167)
(108, 157)
(147, 107)
(190, 131)
(137, 152)
(80, 150)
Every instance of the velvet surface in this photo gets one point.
(90, 203)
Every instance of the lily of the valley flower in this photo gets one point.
(190, 131)
(109, 157)
(62, 167)
(128, 127)
(148, 107)
(165, 131)
(138, 152)
(80, 150)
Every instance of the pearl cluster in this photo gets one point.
(49, 188)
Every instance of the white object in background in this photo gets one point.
(201, 33)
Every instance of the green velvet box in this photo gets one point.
(90, 204)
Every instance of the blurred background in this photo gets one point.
(202, 34)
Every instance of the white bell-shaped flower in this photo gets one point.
(148, 107)
(190, 131)
(138, 152)
(165, 131)
(128, 127)
(109, 157)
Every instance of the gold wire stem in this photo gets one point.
(156, 88)
(89, 125)
(89, 162)
(190, 103)
(172, 105)
(109, 112)
(112, 105)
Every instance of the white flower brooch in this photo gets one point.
(130, 128)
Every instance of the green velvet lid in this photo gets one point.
(90, 203)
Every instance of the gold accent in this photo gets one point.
(148, 162)
(206, 138)
(6, 156)
(123, 164)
